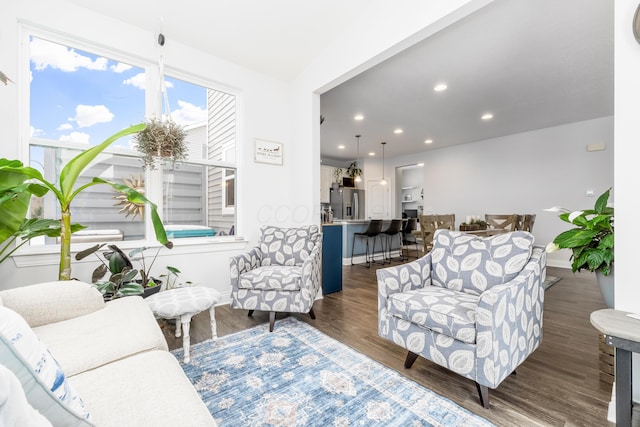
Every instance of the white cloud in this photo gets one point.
(65, 126)
(139, 81)
(46, 54)
(136, 81)
(80, 137)
(35, 132)
(120, 67)
(188, 113)
(89, 115)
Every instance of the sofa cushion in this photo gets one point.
(53, 301)
(147, 389)
(268, 278)
(442, 310)
(43, 380)
(125, 326)
(473, 264)
(287, 246)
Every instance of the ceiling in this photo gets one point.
(532, 63)
(275, 37)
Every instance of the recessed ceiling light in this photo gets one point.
(397, 130)
(487, 116)
(372, 153)
(420, 164)
(440, 87)
(358, 117)
(428, 141)
(341, 147)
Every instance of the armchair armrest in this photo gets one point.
(509, 322)
(311, 270)
(402, 278)
(53, 302)
(242, 263)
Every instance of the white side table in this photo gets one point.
(182, 304)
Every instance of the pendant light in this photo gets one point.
(383, 181)
(358, 178)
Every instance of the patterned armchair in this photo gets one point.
(472, 305)
(281, 274)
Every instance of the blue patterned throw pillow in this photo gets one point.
(473, 264)
(42, 378)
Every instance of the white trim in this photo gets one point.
(50, 254)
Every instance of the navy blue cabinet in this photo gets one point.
(331, 258)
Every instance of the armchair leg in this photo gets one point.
(483, 392)
(411, 357)
(272, 320)
(312, 314)
(250, 313)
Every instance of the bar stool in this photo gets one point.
(373, 230)
(408, 238)
(394, 229)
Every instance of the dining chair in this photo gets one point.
(408, 238)
(430, 223)
(525, 222)
(501, 222)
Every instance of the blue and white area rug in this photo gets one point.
(297, 376)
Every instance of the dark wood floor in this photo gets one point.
(558, 385)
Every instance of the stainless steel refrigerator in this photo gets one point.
(347, 203)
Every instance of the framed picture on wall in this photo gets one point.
(267, 152)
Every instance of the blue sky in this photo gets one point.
(81, 97)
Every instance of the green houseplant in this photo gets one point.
(591, 240)
(122, 280)
(354, 171)
(161, 139)
(19, 182)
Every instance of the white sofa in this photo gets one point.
(113, 354)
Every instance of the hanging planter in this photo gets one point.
(161, 140)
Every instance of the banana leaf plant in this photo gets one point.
(15, 188)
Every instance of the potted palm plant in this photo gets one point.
(590, 241)
(161, 140)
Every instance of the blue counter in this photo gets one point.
(331, 258)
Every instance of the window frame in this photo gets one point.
(153, 105)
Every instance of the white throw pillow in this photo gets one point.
(42, 378)
(15, 411)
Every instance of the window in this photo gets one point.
(79, 98)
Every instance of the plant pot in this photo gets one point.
(607, 287)
(150, 291)
(147, 292)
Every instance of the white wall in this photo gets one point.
(264, 113)
(627, 172)
(522, 173)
